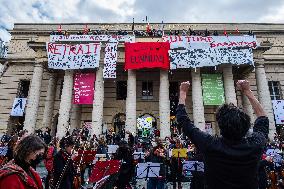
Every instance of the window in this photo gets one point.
(121, 90)
(275, 90)
(23, 89)
(147, 90)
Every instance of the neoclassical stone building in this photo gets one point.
(119, 102)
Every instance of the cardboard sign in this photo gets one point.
(179, 153)
(278, 109)
(73, 56)
(84, 88)
(18, 108)
(110, 60)
(147, 55)
(213, 90)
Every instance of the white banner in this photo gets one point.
(278, 109)
(93, 38)
(110, 60)
(200, 42)
(18, 108)
(193, 58)
(73, 56)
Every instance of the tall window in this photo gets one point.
(23, 89)
(147, 90)
(275, 90)
(121, 90)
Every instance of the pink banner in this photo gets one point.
(84, 88)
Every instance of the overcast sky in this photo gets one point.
(39, 11)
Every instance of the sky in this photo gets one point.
(115, 11)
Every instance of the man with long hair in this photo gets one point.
(231, 160)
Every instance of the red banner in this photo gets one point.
(104, 168)
(147, 55)
(84, 88)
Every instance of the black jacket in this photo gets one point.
(228, 165)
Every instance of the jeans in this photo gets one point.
(156, 183)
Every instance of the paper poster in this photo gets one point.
(93, 38)
(111, 149)
(209, 128)
(110, 60)
(213, 90)
(278, 109)
(144, 123)
(84, 88)
(73, 56)
(18, 108)
(148, 170)
(147, 55)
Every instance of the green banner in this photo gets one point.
(213, 89)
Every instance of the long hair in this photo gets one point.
(28, 145)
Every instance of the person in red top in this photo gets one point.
(18, 173)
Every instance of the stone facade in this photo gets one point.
(50, 93)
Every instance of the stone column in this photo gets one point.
(130, 123)
(33, 99)
(49, 100)
(75, 116)
(248, 108)
(164, 104)
(229, 86)
(98, 103)
(264, 94)
(65, 104)
(197, 100)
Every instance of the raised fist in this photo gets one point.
(243, 85)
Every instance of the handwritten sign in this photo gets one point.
(18, 108)
(110, 60)
(93, 38)
(84, 88)
(193, 58)
(278, 109)
(73, 56)
(213, 90)
(147, 55)
(200, 42)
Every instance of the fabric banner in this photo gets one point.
(147, 55)
(213, 89)
(193, 58)
(84, 88)
(93, 38)
(200, 42)
(278, 109)
(73, 56)
(18, 108)
(110, 60)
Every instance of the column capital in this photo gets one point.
(259, 63)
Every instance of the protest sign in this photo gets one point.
(110, 60)
(18, 107)
(213, 90)
(84, 88)
(147, 55)
(278, 109)
(73, 56)
(93, 38)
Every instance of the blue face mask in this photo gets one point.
(37, 160)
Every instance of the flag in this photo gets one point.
(148, 28)
(86, 30)
(162, 27)
(225, 32)
(237, 30)
(59, 29)
(133, 25)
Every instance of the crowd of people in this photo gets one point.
(236, 159)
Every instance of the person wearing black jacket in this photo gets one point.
(63, 167)
(231, 161)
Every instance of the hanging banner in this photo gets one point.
(278, 109)
(84, 88)
(200, 42)
(18, 108)
(213, 90)
(73, 56)
(147, 55)
(192, 58)
(110, 60)
(93, 38)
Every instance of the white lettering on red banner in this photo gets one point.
(84, 88)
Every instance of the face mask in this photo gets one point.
(36, 161)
